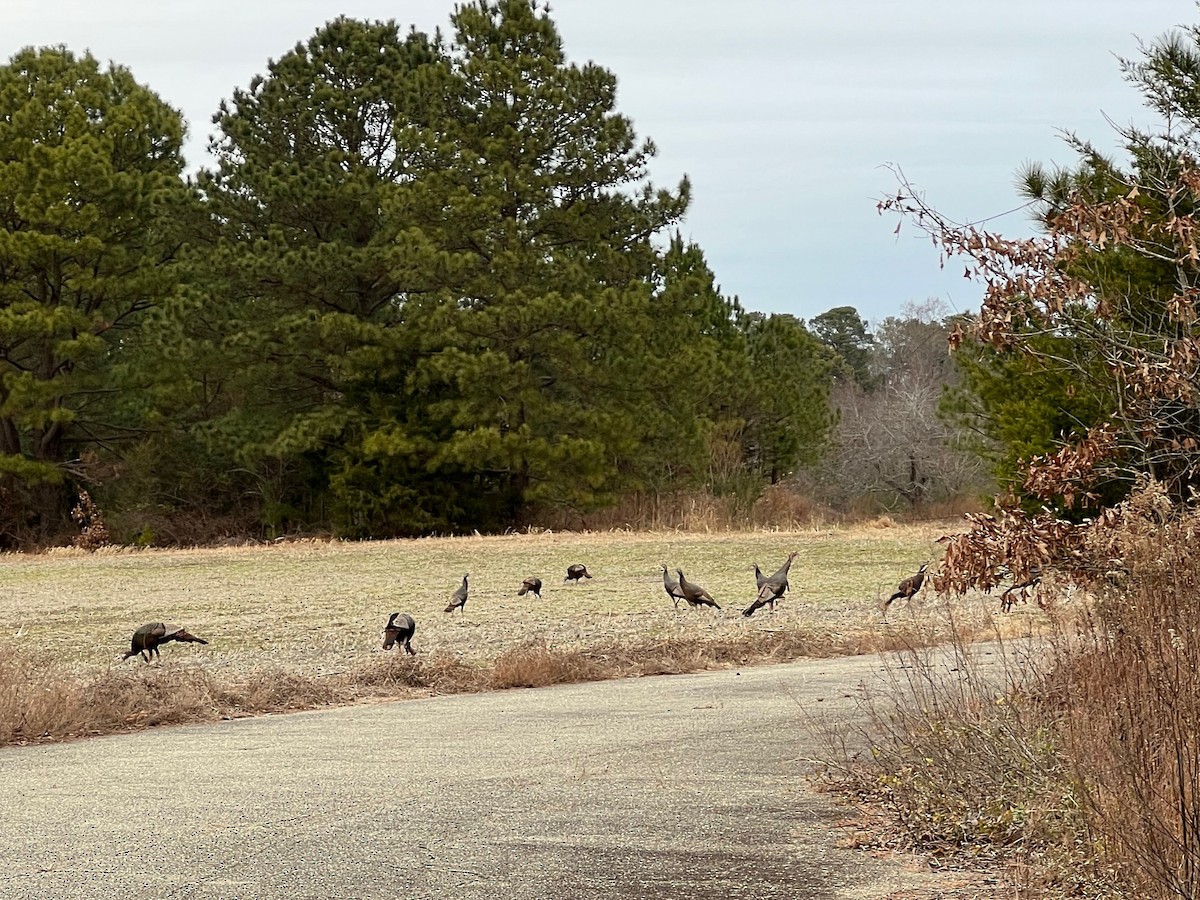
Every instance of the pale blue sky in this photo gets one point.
(782, 112)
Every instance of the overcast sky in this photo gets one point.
(782, 112)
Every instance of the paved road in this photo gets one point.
(667, 787)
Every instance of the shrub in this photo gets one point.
(93, 533)
(1085, 761)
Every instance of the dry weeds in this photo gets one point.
(1080, 768)
(297, 625)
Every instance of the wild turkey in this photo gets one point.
(146, 640)
(908, 587)
(531, 586)
(770, 590)
(458, 600)
(576, 572)
(694, 594)
(1034, 579)
(399, 630)
(759, 578)
(671, 586)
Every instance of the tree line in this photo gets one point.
(425, 285)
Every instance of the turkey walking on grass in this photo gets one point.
(909, 587)
(531, 586)
(694, 594)
(671, 586)
(576, 572)
(770, 590)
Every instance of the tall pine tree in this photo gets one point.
(545, 333)
(314, 262)
(90, 194)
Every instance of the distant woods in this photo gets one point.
(425, 285)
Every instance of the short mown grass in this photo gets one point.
(298, 625)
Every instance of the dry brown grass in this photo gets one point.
(780, 507)
(964, 765)
(36, 701)
(49, 702)
(536, 665)
(297, 626)
(1079, 766)
(1125, 690)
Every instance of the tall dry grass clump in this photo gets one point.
(37, 700)
(1079, 763)
(1127, 686)
(125, 698)
(538, 665)
(964, 760)
(778, 506)
(42, 700)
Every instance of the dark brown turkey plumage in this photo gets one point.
(400, 629)
(148, 638)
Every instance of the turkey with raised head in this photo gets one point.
(458, 600)
(909, 587)
(772, 589)
(671, 586)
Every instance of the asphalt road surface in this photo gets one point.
(667, 787)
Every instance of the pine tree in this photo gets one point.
(314, 264)
(786, 406)
(442, 300)
(90, 191)
(845, 332)
(545, 329)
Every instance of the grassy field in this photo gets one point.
(309, 611)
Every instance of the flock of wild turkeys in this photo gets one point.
(401, 627)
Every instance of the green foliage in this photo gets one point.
(1016, 406)
(696, 372)
(90, 192)
(427, 286)
(786, 405)
(301, 294)
(844, 331)
(453, 307)
(538, 187)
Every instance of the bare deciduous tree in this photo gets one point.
(890, 444)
